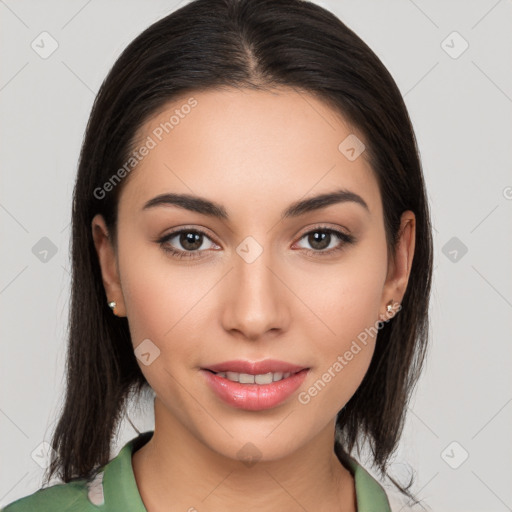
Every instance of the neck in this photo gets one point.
(174, 470)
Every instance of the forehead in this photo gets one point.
(244, 144)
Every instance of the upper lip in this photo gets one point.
(255, 367)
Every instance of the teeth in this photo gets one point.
(267, 378)
(246, 378)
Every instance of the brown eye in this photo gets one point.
(319, 240)
(186, 243)
(326, 240)
(191, 240)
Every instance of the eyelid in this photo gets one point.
(343, 237)
(165, 239)
(324, 227)
(305, 231)
(342, 234)
(179, 229)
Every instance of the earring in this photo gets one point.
(389, 311)
(113, 305)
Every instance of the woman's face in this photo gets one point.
(252, 279)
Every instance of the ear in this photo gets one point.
(399, 267)
(108, 264)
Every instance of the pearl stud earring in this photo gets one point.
(112, 305)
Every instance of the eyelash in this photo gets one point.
(342, 237)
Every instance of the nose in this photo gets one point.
(256, 299)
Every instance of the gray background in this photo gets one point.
(461, 108)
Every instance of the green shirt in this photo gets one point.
(114, 488)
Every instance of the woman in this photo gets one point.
(252, 244)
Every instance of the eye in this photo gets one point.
(190, 242)
(326, 241)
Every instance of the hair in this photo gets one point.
(256, 44)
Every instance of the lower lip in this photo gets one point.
(254, 397)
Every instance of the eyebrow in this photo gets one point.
(213, 209)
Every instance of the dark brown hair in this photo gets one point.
(260, 44)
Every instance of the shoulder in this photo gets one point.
(110, 487)
(73, 496)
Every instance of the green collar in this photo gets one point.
(120, 486)
(369, 493)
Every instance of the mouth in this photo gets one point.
(260, 378)
(254, 389)
(258, 372)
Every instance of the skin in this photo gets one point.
(255, 153)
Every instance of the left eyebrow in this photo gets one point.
(322, 201)
(206, 207)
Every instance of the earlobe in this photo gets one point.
(108, 264)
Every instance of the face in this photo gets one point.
(306, 288)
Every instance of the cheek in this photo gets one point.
(158, 310)
(166, 304)
(153, 293)
(342, 356)
(348, 302)
(346, 297)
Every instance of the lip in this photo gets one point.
(255, 367)
(254, 397)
